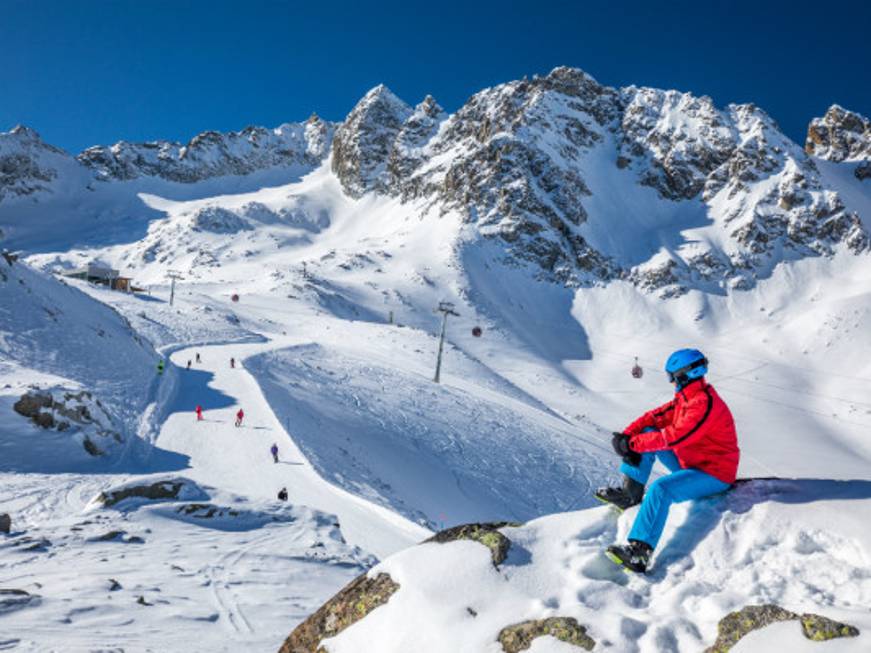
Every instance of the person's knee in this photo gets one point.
(659, 491)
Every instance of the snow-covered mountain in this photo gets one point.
(558, 168)
(213, 154)
(579, 227)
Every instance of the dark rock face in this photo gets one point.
(486, 534)
(839, 135)
(753, 617)
(26, 163)
(365, 141)
(355, 601)
(5, 523)
(161, 490)
(566, 629)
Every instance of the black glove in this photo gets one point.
(620, 442)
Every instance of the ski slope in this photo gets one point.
(238, 459)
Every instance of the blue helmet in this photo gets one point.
(684, 365)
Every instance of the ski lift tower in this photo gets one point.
(445, 308)
(173, 275)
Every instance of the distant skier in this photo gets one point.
(693, 435)
(274, 451)
(199, 413)
(160, 366)
(233, 363)
(189, 363)
(239, 416)
(198, 358)
(282, 494)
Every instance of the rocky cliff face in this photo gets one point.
(214, 154)
(840, 135)
(525, 162)
(27, 164)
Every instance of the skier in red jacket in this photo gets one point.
(693, 435)
(199, 413)
(239, 417)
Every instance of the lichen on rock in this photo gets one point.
(484, 533)
(821, 629)
(735, 625)
(355, 601)
(566, 629)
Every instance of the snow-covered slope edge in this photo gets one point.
(89, 375)
(766, 542)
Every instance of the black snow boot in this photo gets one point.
(634, 556)
(622, 497)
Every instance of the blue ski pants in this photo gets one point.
(679, 485)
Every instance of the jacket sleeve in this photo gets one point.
(691, 420)
(658, 418)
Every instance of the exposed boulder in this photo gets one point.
(735, 625)
(355, 601)
(486, 534)
(566, 629)
(161, 490)
(5, 523)
(78, 412)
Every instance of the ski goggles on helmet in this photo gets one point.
(681, 374)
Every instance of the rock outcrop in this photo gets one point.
(78, 412)
(485, 533)
(840, 135)
(364, 143)
(169, 489)
(735, 625)
(519, 637)
(27, 164)
(360, 597)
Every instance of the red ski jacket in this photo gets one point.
(697, 426)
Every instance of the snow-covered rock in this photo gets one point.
(759, 544)
(840, 135)
(214, 154)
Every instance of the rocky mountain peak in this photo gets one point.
(27, 164)
(840, 135)
(364, 142)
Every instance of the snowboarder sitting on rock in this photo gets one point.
(693, 435)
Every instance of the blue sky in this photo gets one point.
(89, 72)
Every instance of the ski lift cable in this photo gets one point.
(798, 408)
(733, 354)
